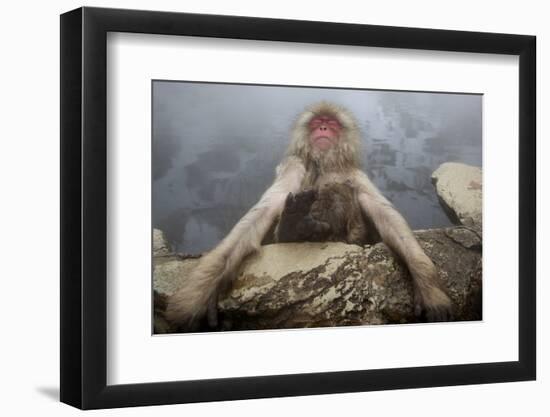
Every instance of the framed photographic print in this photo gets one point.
(257, 208)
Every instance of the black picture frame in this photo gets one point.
(84, 207)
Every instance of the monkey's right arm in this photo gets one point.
(189, 303)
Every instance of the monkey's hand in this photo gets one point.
(431, 303)
(197, 295)
(295, 211)
(300, 203)
(314, 230)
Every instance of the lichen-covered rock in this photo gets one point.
(459, 188)
(335, 284)
(170, 271)
(160, 244)
(293, 285)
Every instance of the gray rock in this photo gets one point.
(459, 188)
(161, 246)
(170, 271)
(296, 285)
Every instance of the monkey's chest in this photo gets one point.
(329, 212)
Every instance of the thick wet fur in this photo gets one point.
(306, 167)
(331, 213)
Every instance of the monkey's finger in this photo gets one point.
(310, 194)
(418, 305)
(418, 310)
(290, 202)
(212, 317)
(439, 314)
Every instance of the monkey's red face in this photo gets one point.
(324, 132)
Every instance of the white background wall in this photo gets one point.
(29, 365)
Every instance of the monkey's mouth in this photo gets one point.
(323, 142)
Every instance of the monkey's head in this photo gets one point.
(326, 135)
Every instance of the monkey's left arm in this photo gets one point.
(429, 296)
(189, 304)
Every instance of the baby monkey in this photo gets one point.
(330, 213)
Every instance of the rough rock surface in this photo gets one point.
(334, 284)
(160, 244)
(169, 271)
(459, 188)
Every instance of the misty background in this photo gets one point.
(215, 148)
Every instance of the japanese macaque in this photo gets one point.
(331, 213)
(323, 150)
